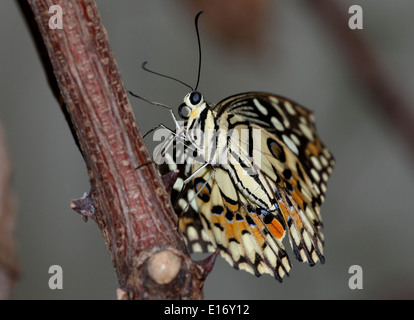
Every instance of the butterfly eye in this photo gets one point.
(195, 97)
(184, 111)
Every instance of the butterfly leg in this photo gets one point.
(196, 172)
(198, 189)
(158, 127)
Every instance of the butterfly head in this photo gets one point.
(192, 106)
(199, 119)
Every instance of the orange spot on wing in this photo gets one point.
(314, 148)
(286, 212)
(297, 195)
(231, 206)
(203, 191)
(276, 229)
(256, 230)
(230, 232)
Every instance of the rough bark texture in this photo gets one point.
(131, 206)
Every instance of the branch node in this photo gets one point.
(208, 263)
(84, 206)
(169, 180)
(164, 266)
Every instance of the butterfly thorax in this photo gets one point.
(201, 130)
(224, 141)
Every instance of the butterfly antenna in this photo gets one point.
(163, 75)
(151, 102)
(199, 48)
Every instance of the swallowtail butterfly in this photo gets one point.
(252, 170)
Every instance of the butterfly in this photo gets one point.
(252, 170)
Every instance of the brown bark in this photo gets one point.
(131, 206)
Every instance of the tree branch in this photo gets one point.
(131, 206)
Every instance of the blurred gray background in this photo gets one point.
(368, 215)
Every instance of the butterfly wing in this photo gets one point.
(293, 167)
(247, 239)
